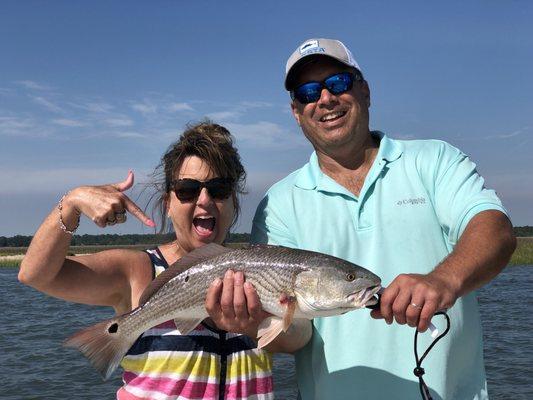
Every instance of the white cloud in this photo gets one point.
(144, 108)
(507, 135)
(24, 180)
(47, 104)
(135, 135)
(176, 107)
(266, 135)
(33, 85)
(498, 136)
(68, 122)
(224, 116)
(256, 104)
(118, 122)
(14, 126)
(95, 107)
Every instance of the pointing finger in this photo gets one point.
(135, 210)
(126, 183)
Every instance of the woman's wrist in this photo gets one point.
(69, 215)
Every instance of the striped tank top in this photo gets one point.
(205, 364)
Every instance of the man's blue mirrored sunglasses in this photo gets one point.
(336, 84)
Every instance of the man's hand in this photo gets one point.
(234, 305)
(413, 299)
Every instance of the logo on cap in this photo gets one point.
(311, 46)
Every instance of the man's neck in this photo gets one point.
(349, 166)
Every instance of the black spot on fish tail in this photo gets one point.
(113, 328)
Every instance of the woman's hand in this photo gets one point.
(105, 204)
(234, 305)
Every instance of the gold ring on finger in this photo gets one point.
(416, 306)
(121, 217)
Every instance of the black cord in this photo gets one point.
(419, 371)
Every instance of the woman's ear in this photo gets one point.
(166, 204)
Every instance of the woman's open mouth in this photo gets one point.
(204, 225)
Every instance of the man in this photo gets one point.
(416, 213)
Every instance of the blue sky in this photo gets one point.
(89, 90)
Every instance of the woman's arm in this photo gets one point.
(106, 278)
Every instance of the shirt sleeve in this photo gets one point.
(268, 226)
(459, 191)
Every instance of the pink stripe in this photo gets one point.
(172, 387)
(250, 387)
(122, 394)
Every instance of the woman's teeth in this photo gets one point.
(204, 225)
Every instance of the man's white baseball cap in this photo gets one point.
(312, 48)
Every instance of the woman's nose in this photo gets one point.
(204, 197)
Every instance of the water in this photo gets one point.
(33, 365)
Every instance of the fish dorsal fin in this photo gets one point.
(201, 254)
(184, 263)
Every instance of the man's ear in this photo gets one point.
(366, 93)
(295, 113)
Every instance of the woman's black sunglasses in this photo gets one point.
(189, 189)
(310, 92)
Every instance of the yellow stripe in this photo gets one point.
(244, 363)
(204, 365)
(247, 363)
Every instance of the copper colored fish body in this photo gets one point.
(290, 283)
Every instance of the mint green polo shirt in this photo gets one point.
(415, 202)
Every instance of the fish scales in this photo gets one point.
(185, 294)
(322, 285)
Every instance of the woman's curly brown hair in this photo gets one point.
(212, 143)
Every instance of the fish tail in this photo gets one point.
(104, 344)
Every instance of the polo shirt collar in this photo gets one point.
(311, 176)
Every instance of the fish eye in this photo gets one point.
(350, 277)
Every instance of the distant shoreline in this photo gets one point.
(10, 257)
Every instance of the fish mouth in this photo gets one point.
(365, 297)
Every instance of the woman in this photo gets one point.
(201, 177)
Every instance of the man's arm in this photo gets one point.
(482, 251)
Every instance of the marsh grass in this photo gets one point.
(522, 256)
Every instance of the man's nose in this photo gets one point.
(326, 97)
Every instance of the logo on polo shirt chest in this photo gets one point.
(412, 202)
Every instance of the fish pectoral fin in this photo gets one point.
(289, 313)
(289, 302)
(184, 326)
(272, 326)
(268, 330)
